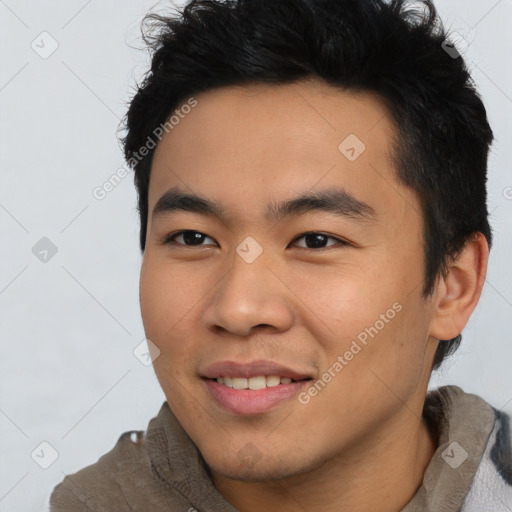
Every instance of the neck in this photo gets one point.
(381, 474)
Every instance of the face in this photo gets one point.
(299, 257)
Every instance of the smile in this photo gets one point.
(254, 383)
(257, 399)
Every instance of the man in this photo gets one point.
(311, 179)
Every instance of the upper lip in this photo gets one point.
(252, 369)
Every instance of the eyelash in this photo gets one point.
(169, 239)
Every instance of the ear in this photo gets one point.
(458, 292)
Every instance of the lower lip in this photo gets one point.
(247, 401)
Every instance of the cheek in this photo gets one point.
(374, 318)
(169, 302)
(372, 367)
(155, 298)
(164, 298)
(342, 302)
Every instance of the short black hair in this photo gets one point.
(391, 49)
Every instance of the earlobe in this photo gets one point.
(458, 292)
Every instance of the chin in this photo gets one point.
(262, 469)
(245, 474)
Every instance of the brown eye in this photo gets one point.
(316, 240)
(312, 240)
(190, 238)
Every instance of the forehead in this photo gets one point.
(242, 145)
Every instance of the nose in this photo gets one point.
(251, 295)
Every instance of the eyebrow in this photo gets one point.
(338, 201)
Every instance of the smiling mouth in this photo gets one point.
(255, 383)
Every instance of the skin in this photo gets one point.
(361, 443)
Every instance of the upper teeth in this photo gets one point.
(254, 383)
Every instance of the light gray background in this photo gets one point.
(69, 326)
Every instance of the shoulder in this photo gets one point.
(115, 482)
(491, 484)
(491, 488)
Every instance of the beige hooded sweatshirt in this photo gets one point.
(161, 469)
